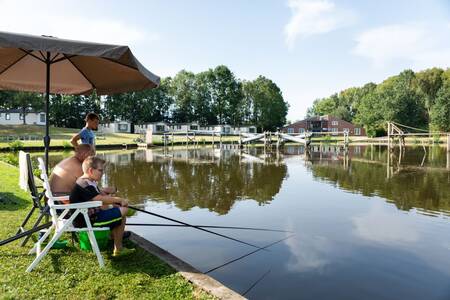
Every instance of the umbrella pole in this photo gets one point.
(47, 102)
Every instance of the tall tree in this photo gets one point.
(156, 102)
(202, 101)
(26, 101)
(429, 82)
(66, 111)
(182, 90)
(440, 112)
(125, 107)
(269, 108)
(226, 95)
(92, 103)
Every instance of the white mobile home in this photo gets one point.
(115, 127)
(16, 117)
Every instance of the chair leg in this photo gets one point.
(37, 246)
(25, 221)
(46, 249)
(36, 224)
(93, 241)
(56, 236)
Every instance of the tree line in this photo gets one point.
(417, 99)
(212, 97)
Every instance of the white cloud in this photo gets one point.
(64, 21)
(307, 252)
(385, 227)
(310, 17)
(421, 45)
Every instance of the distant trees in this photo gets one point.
(419, 99)
(213, 97)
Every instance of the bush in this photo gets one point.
(16, 145)
(436, 138)
(10, 158)
(67, 145)
(327, 139)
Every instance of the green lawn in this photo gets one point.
(72, 273)
(59, 136)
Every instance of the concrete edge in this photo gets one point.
(190, 273)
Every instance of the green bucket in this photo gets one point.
(102, 237)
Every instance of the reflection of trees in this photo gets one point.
(429, 190)
(206, 182)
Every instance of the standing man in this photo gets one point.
(86, 135)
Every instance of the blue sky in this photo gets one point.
(310, 48)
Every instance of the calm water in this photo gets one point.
(364, 229)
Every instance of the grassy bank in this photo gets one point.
(59, 136)
(72, 273)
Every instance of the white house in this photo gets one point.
(156, 127)
(163, 127)
(115, 127)
(16, 117)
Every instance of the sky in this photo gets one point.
(309, 48)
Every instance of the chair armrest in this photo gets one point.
(61, 198)
(88, 204)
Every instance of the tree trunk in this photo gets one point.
(24, 114)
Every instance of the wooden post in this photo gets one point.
(448, 142)
(389, 136)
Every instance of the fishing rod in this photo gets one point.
(256, 282)
(193, 226)
(250, 253)
(25, 233)
(209, 226)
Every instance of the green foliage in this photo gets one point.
(16, 145)
(69, 111)
(436, 138)
(10, 158)
(264, 105)
(67, 145)
(419, 99)
(440, 112)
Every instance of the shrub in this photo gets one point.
(436, 138)
(16, 145)
(67, 145)
(10, 158)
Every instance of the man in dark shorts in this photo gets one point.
(86, 189)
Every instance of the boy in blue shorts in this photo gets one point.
(86, 189)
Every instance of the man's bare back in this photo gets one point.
(65, 174)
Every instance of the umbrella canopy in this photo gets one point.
(76, 67)
(51, 65)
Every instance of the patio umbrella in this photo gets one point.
(47, 65)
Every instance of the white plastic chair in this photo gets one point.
(61, 225)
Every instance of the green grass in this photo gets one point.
(72, 273)
(59, 136)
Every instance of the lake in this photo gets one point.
(367, 223)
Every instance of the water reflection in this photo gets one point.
(416, 178)
(195, 177)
